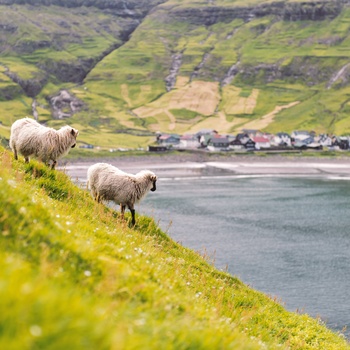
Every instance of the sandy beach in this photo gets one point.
(202, 165)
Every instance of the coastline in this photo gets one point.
(192, 165)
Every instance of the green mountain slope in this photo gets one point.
(73, 275)
(132, 68)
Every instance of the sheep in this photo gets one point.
(30, 138)
(107, 182)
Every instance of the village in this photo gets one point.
(250, 140)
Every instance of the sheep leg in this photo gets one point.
(26, 159)
(54, 162)
(122, 211)
(133, 217)
(15, 153)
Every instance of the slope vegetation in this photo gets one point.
(74, 276)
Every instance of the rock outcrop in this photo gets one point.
(64, 104)
(297, 11)
(32, 86)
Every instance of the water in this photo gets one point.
(286, 237)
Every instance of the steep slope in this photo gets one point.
(73, 275)
(177, 66)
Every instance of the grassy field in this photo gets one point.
(75, 276)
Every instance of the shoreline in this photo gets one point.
(193, 165)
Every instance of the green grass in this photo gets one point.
(73, 275)
(184, 114)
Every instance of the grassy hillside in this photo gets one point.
(176, 66)
(74, 276)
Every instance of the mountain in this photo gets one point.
(121, 70)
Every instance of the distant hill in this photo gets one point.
(121, 70)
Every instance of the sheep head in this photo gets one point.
(153, 179)
(74, 133)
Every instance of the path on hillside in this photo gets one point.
(172, 123)
(125, 94)
(267, 119)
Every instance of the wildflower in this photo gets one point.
(35, 330)
(12, 183)
(140, 322)
(87, 273)
(22, 210)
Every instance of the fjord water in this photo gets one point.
(286, 237)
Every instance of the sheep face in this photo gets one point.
(74, 133)
(153, 180)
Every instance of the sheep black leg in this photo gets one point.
(26, 159)
(133, 217)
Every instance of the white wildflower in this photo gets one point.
(12, 183)
(35, 330)
(22, 210)
(140, 322)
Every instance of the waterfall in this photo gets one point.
(199, 67)
(230, 74)
(170, 80)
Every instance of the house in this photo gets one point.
(340, 143)
(188, 141)
(344, 142)
(325, 140)
(249, 144)
(261, 142)
(303, 142)
(281, 139)
(218, 144)
(301, 135)
(243, 137)
(236, 144)
(166, 139)
(204, 136)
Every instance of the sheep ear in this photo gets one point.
(74, 132)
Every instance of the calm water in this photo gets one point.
(287, 237)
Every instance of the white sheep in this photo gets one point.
(107, 182)
(30, 138)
